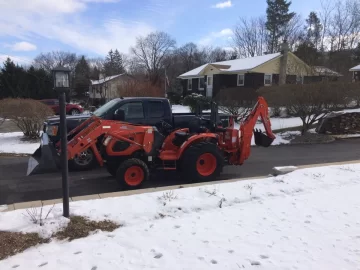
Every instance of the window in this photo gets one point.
(299, 79)
(189, 84)
(156, 109)
(241, 79)
(209, 81)
(133, 110)
(201, 83)
(268, 79)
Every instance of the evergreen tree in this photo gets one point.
(118, 63)
(306, 51)
(108, 65)
(114, 63)
(313, 29)
(357, 54)
(13, 80)
(278, 16)
(82, 75)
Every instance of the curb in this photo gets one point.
(276, 171)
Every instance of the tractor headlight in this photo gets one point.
(52, 130)
(107, 140)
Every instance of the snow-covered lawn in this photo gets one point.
(12, 143)
(308, 219)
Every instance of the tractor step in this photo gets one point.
(169, 165)
(168, 155)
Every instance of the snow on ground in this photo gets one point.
(11, 143)
(307, 219)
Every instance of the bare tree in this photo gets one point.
(250, 36)
(344, 26)
(325, 17)
(50, 60)
(151, 51)
(293, 31)
(191, 56)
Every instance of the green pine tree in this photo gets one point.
(278, 16)
(313, 29)
(82, 75)
(118, 63)
(109, 64)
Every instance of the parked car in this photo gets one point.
(72, 109)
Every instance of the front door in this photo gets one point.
(209, 86)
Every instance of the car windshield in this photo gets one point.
(105, 108)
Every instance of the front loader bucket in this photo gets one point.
(262, 139)
(44, 158)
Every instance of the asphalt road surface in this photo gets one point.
(16, 187)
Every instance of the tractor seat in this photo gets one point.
(180, 138)
(181, 134)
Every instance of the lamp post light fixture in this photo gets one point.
(61, 76)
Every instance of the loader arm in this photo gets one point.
(87, 138)
(247, 128)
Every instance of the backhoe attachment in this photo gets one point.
(262, 139)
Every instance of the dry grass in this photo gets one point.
(80, 227)
(12, 243)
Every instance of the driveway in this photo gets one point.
(16, 187)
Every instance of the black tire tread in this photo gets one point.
(189, 159)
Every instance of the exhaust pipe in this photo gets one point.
(262, 139)
(44, 160)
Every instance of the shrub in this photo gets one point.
(310, 102)
(235, 102)
(193, 100)
(174, 98)
(28, 114)
(354, 93)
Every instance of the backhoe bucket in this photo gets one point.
(262, 139)
(44, 158)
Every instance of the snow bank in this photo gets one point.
(304, 220)
(12, 143)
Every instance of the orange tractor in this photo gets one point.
(198, 153)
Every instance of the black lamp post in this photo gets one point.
(61, 77)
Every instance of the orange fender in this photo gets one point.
(194, 139)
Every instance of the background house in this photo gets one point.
(106, 88)
(251, 73)
(355, 73)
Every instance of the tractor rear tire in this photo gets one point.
(132, 173)
(202, 162)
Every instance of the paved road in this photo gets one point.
(16, 187)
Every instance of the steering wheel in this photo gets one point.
(165, 127)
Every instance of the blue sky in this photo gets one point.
(93, 27)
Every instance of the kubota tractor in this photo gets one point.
(130, 152)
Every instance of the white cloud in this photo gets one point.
(20, 60)
(225, 4)
(23, 46)
(213, 36)
(66, 24)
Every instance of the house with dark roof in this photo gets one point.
(248, 74)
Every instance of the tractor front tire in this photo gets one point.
(202, 162)
(132, 173)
